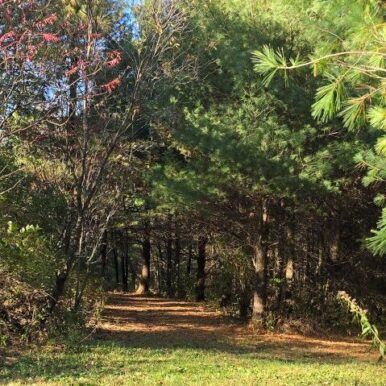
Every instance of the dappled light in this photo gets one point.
(192, 192)
(158, 322)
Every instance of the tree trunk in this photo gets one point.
(144, 279)
(287, 273)
(124, 271)
(260, 262)
(116, 266)
(189, 264)
(244, 303)
(62, 276)
(58, 291)
(169, 256)
(289, 276)
(201, 260)
(177, 253)
(160, 268)
(281, 259)
(103, 252)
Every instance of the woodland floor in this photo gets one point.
(155, 341)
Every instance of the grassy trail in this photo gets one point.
(153, 341)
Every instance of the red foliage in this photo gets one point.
(49, 20)
(71, 71)
(48, 37)
(7, 35)
(112, 85)
(82, 64)
(29, 30)
(114, 58)
(96, 35)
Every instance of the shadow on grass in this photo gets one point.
(115, 355)
(145, 332)
(259, 348)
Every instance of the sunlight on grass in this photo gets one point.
(106, 363)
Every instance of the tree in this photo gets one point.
(351, 63)
(150, 157)
(255, 165)
(94, 81)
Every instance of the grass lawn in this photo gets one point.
(107, 363)
(143, 346)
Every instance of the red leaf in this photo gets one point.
(112, 85)
(49, 20)
(50, 38)
(71, 71)
(7, 35)
(96, 35)
(114, 58)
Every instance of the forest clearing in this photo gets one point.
(192, 192)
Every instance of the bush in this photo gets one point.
(21, 308)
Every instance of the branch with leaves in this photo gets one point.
(360, 315)
(352, 71)
(346, 93)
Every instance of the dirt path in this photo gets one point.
(159, 323)
(130, 313)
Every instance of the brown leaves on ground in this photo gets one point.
(159, 323)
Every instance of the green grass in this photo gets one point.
(146, 361)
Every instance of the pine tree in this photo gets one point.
(350, 60)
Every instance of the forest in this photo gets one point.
(192, 192)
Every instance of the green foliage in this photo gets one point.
(231, 139)
(353, 68)
(360, 315)
(350, 63)
(21, 307)
(268, 62)
(377, 242)
(377, 117)
(192, 133)
(28, 253)
(329, 98)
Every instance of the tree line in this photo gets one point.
(221, 150)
